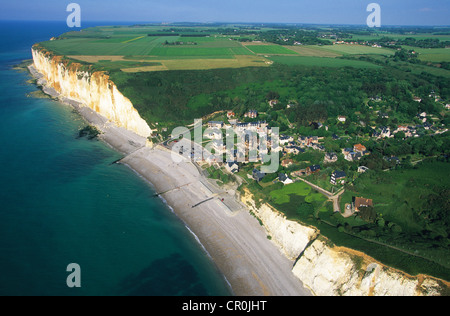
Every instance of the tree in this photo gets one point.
(272, 95)
(368, 214)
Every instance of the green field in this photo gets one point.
(357, 50)
(282, 196)
(270, 50)
(321, 62)
(114, 45)
(399, 195)
(400, 37)
(432, 54)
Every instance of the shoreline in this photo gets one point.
(236, 242)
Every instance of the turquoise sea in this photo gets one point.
(62, 202)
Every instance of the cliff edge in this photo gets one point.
(328, 270)
(92, 89)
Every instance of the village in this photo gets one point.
(317, 159)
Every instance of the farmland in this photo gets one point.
(156, 48)
(356, 49)
(271, 50)
(321, 62)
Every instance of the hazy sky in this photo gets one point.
(394, 12)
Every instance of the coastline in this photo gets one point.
(235, 241)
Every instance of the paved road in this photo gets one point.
(329, 195)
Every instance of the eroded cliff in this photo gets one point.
(94, 90)
(329, 270)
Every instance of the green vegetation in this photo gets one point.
(321, 62)
(270, 50)
(89, 131)
(282, 196)
(358, 50)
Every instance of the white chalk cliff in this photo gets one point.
(328, 270)
(94, 90)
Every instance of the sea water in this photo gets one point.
(63, 202)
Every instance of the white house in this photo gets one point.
(284, 179)
(232, 167)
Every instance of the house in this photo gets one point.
(214, 134)
(422, 117)
(295, 150)
(375, 133)
(313, 169)
(385, 132)
(394, 159)
(258, 175)
(272, 103)
(338, 177)
(402, 128)
(299, 173)
(233, 122)
(215, 124)
(283, 178)
(335, 137)
(313, 140)
(330, 157)
(284, 139)
(342, 119)
(359, 202)
(417, 99)
(318, 147)
(232, 167)
(287, 162)
(251, 114)
(252, 126)
(351, 155)
(362, 169)
(231, 114)
(358, 148)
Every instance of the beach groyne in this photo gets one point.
(328, 270)
(92, 89)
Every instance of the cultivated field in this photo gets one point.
(356, 50)
(321, 62)
(313, 51)
(270, 50)
(159, 48)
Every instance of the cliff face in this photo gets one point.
(93, 90)
(329, 270)
(291, 237)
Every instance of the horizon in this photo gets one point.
(183, 23)
(321, 12)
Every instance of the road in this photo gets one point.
(333, 197)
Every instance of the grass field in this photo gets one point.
(356, 50)
(201, 64)
(432, 54)
(400, 37)
(270, 50)
(110, 47)
(399, 194)
(282, 196)
(321, 62)
(314, 51)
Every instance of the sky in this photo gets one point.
(393, 12)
